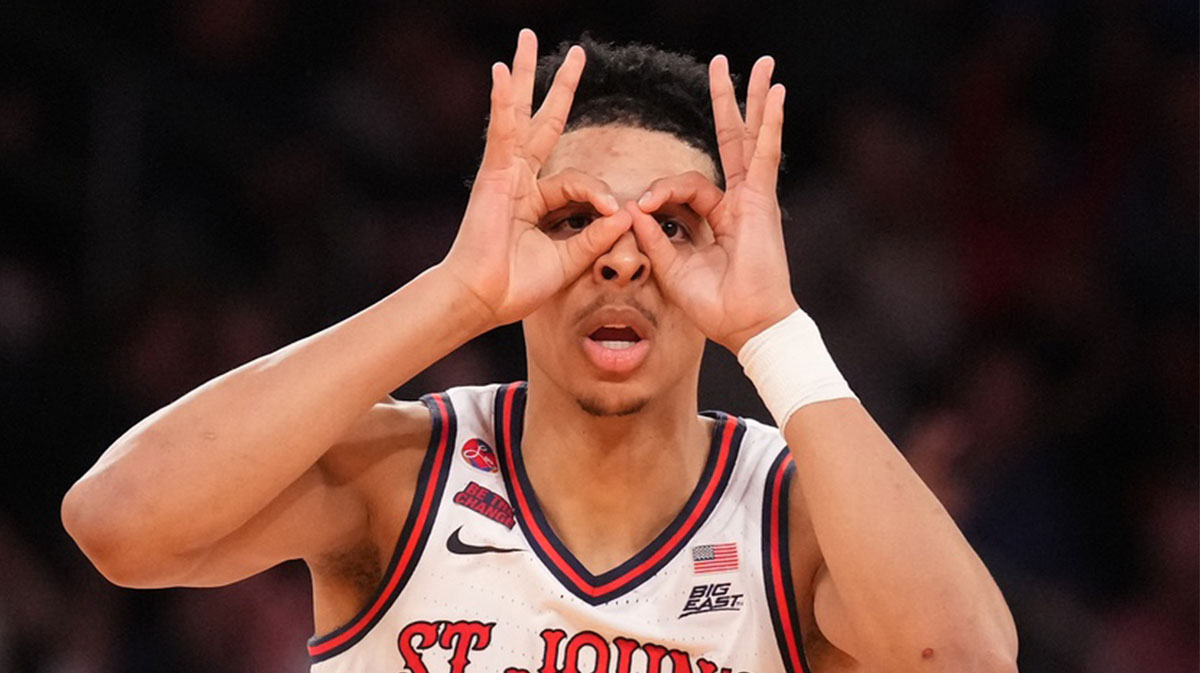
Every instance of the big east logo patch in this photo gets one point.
(711, 598)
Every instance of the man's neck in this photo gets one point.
(610, 484)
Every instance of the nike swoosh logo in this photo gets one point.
(457, 546)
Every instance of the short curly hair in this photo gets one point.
(638, 85)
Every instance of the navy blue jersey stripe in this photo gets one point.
(597, 589)
(777, 571)
(431, 484)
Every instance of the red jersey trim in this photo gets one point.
(599, 589)
(777, 574)
(431, 482)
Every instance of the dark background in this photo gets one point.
(992, 213)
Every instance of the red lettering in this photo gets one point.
(460, 637)
(655, 654)
(625, 650)
(552, 639)
(683, 663)
(680, 661)
(586, 639)
(464, 637)
(427, 632)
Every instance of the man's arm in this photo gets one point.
(900, 588)
(231, 479)
(194, 472)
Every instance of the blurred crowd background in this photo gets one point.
(991, 210)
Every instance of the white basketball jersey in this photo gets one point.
(480, 583)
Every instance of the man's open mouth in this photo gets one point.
(616, 337)
(616, 340)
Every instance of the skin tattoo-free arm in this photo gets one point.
(899, 588)
(229, 479)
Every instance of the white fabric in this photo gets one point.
(790, 367)
(519, 595)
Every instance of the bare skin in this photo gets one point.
(291, 456)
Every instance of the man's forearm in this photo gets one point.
(200, 467)
(912, 590)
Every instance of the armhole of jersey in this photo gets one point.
(431, 483)
(777, 571)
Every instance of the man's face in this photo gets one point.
(610, 339)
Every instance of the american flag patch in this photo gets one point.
(714, 558)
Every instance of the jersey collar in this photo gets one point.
(596, 589)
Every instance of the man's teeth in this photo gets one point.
(616, 345)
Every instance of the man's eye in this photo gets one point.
(674, 229)
(573, 222)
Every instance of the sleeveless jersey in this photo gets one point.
(479, 582)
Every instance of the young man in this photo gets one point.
(590, 519)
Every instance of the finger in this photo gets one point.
(730, 129)
(523, 70)
(756, 97)
(575, 186)
(692, 189)
(763, 174)
(653, 241)
(502, 128)
(581, 250)
(551, 117)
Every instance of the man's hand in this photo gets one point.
(500, 255)
(739, 285)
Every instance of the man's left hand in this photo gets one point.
(737, 286)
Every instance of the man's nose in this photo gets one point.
(623, 264)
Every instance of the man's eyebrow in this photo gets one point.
(572, 205)
(686, 207)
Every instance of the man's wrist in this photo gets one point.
(737, 340)
(468, 308)
(790, 367)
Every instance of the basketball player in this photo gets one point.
(591, 519)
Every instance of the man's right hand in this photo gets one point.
(501, 255)
(293, 455)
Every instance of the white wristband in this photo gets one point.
(790, 366)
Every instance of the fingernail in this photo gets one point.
(611, 202)
(645, 199)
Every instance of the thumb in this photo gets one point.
(581, 250)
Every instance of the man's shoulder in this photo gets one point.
(401, 423)
(760, 428)
(762, 441)
(752, 425)
(408, 424)
(391, 430)
(477, 394)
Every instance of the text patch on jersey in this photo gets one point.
(711, 598)
(586, 650)
(483, 500)
(480, 456)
